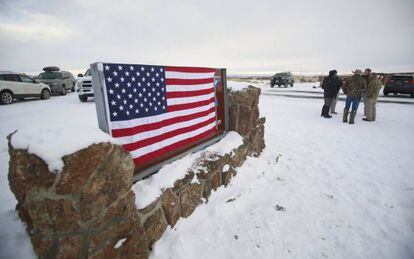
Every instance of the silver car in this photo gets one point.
(59, 81)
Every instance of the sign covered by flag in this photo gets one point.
(157, 111)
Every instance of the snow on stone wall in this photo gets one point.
(88, 208)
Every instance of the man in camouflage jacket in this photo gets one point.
(353, 88)
(373, 88)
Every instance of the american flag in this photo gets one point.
(157, 109)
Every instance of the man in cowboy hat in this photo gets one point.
(353, 88)
(373, 88)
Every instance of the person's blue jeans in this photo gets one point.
(352, 101)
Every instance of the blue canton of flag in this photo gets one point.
(135, 91)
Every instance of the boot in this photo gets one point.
(325, 112)
(352, 117)
(345, 118)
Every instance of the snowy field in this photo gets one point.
(320, 189)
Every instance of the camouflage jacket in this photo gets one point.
(373, 88)
(355, 86)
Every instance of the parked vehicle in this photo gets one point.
(84, 86)
(17, 86)
(282, 79)
(399, 84)
(59, 81)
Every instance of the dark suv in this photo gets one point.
(279, 79)
(399, 84)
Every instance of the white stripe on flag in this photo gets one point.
(188, 88)
(187, 75)
(166, 129)
(186, 100)
(166, 142)
(158, 118)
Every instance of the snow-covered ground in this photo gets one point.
(320, 189)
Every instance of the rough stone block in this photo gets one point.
(171, 207)
(190, 198)
(154, 226)
(80, 166)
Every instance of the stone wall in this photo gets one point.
(88, 209)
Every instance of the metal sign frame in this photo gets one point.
(102, 111)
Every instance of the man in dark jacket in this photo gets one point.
(335, 99)
(330, 86)
(353, 88)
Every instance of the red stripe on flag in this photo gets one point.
(191, 69)
(157, 153)
(178, 107)
(179, 81)
(189, 93)
(116, 133)
(146, 142)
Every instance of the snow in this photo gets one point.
(149, 189)
(119, 243)
(237, 86)
(51, 143)
(226, 168)
(347, 190)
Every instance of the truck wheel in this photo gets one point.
(73, 88)
(83, 98)
(64, 91)
(6, 97)
(45, 94)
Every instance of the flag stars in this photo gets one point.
(113, 103)
(148, 74)
(118, 96)
(153, 79)
(161, 70)
(152, 69)
(157, 75)
(120, 67)
(115, 73)
(133, 79)
(135, 90)
(123, 90)
(136, 111)
(127, 112)
(129, 95)
(131, 106)
(116, 85)
(125, 101)
(129, 84)
(131, 68)
(121, 108)
(115, 114)
(126, 73)
(122, 79)
(138, 73)
(142, 68)
(135, 100)
(106, 67)
(111, 91)
(109, 79)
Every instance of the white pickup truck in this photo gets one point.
(84, 86)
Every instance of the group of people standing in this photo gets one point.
(359, 86)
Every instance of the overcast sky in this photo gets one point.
(242, 36)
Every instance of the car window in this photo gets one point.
(88, 72)
(50, 75)
(402, 78)
(11, 77)
(26, 79)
